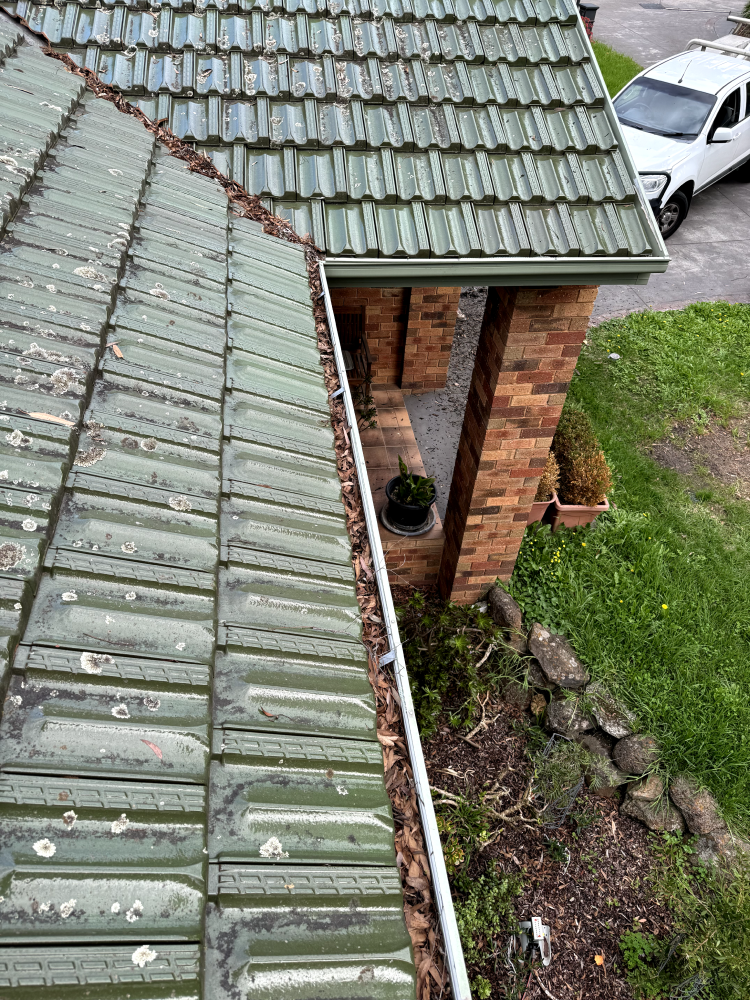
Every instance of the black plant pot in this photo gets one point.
(406, 516)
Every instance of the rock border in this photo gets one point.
(585, 711)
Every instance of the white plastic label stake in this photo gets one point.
(537, 928)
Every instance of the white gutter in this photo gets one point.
(454, 955)
(508, 271)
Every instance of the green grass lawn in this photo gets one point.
(616, 68)
(655, 597)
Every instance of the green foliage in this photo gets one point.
(561, 769)
(443, 646)
(484, 908)
(711, 933)
(667, 543)
(556, 851)
(364, 404)
(413, 489)
(639, 952)
(465, 826)
(711, 909)
(616, 68)
(481, 988)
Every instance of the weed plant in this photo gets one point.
(485, 909)
(654, 595)
(444, 646)
(711, 943)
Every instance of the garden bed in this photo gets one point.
(588, 879)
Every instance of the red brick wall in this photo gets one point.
(413, 561)
(429, 337)
(528, 348)
(386, 315)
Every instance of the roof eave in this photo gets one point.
(375, 272)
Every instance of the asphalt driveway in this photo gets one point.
(711, 250)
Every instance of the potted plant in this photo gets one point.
(546, 490)
(409, 499)
(584, 474)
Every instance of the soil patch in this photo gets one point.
(589, 900)
(723, 452)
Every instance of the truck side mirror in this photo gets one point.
(722, 135)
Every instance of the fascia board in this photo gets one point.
(387, 272)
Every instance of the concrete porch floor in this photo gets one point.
(411, 561)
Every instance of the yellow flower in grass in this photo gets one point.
(665, 606)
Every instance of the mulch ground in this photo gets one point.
(587, 902)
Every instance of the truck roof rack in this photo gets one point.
(730, 50)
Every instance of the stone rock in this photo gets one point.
(559, 663)
(601, 772)
(596, 744)
(636, 754)
(504, 610)
(611, 716)
(697, 805)
(719, 844)
(660, 815)
(507, 614)
(646, 789)
(535, 676)
(517, 695)
(567, 718)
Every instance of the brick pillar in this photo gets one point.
(528, 349)
(386, 312)
(429, 337)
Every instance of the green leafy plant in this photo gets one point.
(364, 404)
(556, 851)
(711, 908)
(584, 474)
(454, 654)
(413, 489)
(466, 825)
(485, 909)
(481, 988)
(639, 949)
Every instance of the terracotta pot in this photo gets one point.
(572, 514)
(538, 510)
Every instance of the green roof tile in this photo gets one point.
(416, 103)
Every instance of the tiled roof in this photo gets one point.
(401, 129)
(191, 789)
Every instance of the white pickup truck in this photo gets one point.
(687, 122)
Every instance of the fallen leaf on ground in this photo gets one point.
(155, 748)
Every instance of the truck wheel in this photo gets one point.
(673, 214)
